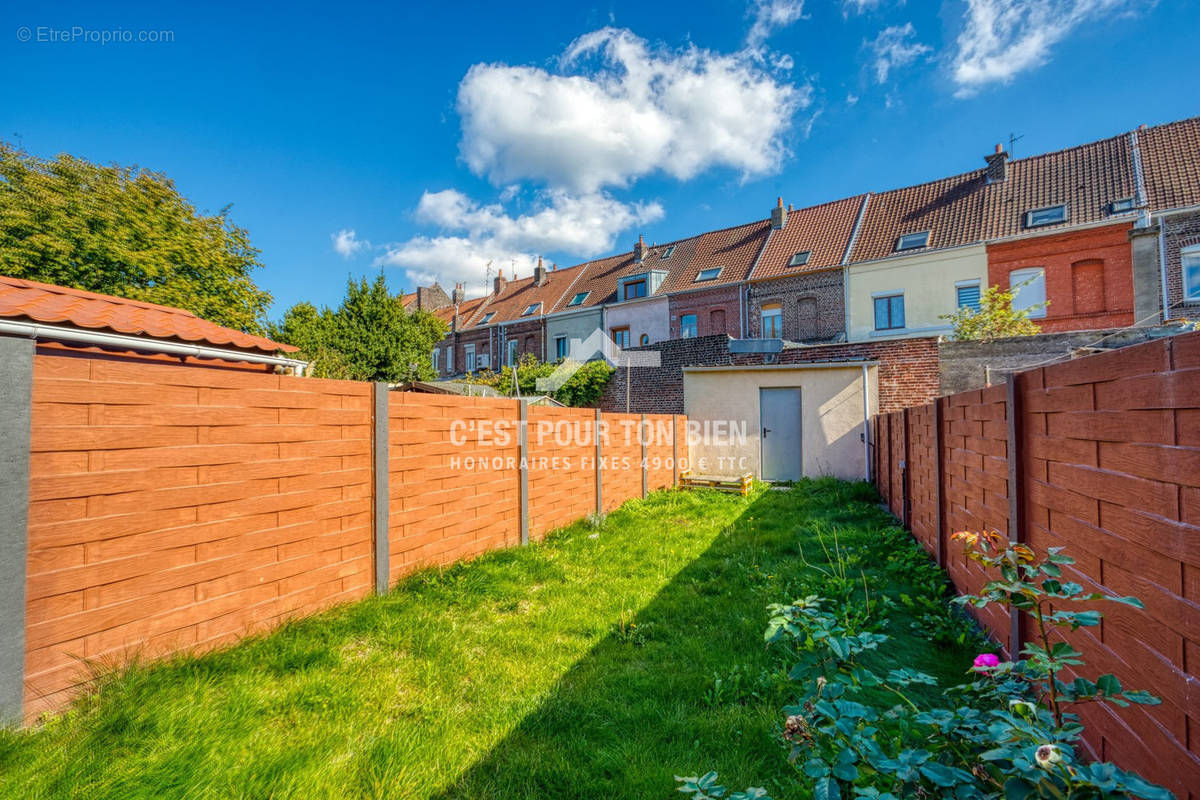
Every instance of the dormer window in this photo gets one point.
(1049, 215)
(800, 259)
(911, 241)
(578, 299)
(708, 274)
(487, 318)
(634, 290)
(531, 309)
(668, 252)
(1122, 206)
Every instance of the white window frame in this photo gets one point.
(562, 347)
(1189, 258)
(578, 299)
(437, 361)
(531, 309)
(511, 348)
(684, 327)
(1019, 276)
(775, 311)
(902, 245)
(450, 360)
(487, 318)
(1122, 205)
(668, 252)
(972, 284)
(1029, 216)
(712, 272)
(469, 357)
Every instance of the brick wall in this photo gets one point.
(177, 508)
(1179, 232)
(659, 390)
(1089, 275)
(813, 305)
(1108, 466)
(724, 299)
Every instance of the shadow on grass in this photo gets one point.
(687, 685)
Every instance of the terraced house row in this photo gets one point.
(1103, 235)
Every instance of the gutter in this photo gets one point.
(1162, 268)
(39, 331)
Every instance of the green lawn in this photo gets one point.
(598, 664)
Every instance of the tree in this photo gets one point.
(124, 231)
(995, 319)
(370, 337)
(585, 387)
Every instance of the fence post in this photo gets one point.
(16, 398)
(674, 451)
(523, 465)
(380, 447)
(599, 475)
(938, 515)
(906, 474)
(645, 476)
(1016, 525)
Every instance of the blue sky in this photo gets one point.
(448, 136)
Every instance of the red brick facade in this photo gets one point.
(1178, 233)
(718, 310)
(813, 305)
(1088, 274)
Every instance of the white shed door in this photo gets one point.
(779, 411)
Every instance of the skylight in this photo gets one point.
(1122, 205)
(667, 253)
(800, 259)
(911, 241)
(1046, 216)
(487, 318)
(578, 299)
(709, 274)
(532, 308)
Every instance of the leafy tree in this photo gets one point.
(124, 231)
(370, 337)
(584, 388)
(995, 319)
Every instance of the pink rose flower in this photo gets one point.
(986, 661)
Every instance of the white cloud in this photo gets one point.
(769, 16)
(346, 243)
(636, 112)
(1002, 38)
(474, 234)
(894, 47)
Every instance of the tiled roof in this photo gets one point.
(407, 300)
(520, 294)
(1088, 178)
(825, 230)
(58, 305)
(599, 279)
(733, 249)
(1171, 163)
(950, 209)
(466, 311)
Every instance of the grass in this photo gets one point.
(597, 664)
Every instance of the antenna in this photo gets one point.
(1012, 143)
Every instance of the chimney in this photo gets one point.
(639, 249)
(458, 297)
(997, 165)
(499, 283)
(539, 274)
(778, 215)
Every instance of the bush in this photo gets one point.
(585, 387)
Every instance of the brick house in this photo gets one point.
(1170, 158)
(797, 288)
(706, 293)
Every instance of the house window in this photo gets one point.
(911, 241)
(1122, 205)
(1046, 216)
(437, 358)
(687, 326)
(561, 347)
(668, 252)
(530, 309)
(620, 337)
(487, 318)
(772, 321)
(469, 357)
(450, 359)
(967, 295)
(1029, 290)
(634, 290)
(708, 274)
(800, 259)
(644, 339)
(1189, 260)
(889, 312)
(578, 299)
(512, 352)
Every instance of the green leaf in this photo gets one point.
(1108, 684)
(1016, 788)
(827, 789)
(1129, 601)
(816, 768)
(1141, 697)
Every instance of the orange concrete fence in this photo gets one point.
(1100, 455)
(163, 508)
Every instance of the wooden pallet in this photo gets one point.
(740, 485)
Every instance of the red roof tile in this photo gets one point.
(950, 209)
(734, 250)
(824, 230)
(43, 302)
(1171, 163)
(518, 295)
